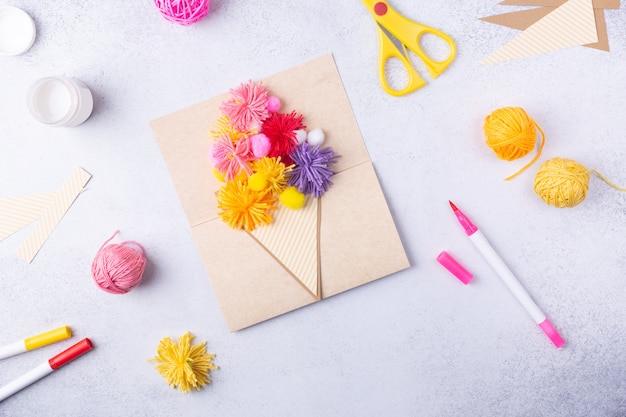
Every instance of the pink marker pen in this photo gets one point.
(498, 265)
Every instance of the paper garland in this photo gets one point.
(49, 208)
(555, 24)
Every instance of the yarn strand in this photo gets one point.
(606, 180)
(543, 141)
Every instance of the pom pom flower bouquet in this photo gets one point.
(265, 158)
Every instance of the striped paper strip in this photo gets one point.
(18, 212)
(292, 238)
(53, 213)
(572, 24)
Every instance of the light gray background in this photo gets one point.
(417, 343)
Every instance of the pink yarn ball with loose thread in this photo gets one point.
(183, 12)
(118, 267)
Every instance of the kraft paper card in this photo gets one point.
(347, 236)
(570, 23)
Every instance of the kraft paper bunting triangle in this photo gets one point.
(47, 208)
(18, 212)
(293, 239)
(573, 23)
(523, 19)
(597, 4)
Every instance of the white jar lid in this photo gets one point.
(17, 31)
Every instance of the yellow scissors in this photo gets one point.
(390, 24)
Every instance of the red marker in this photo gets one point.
(46, 368)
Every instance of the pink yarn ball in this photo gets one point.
(183, 12)
(118, 267)
(273, 104)
(260, 145)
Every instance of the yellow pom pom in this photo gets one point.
(292, 198)
(562, 182)
(183, 365)
(218, 175)
(275, 172)
(511, 134)
(243, 208)
(257, 181)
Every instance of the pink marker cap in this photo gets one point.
(455, 267)
(551, 332)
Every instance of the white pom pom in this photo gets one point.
(315, 137)
(300, 135)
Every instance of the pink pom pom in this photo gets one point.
(183, 12)
(273, 104)
(212, 157)
(118, 267)
(260, 145)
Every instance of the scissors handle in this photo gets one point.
(389, 50)
(409, 34)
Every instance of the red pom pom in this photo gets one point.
(280, 127)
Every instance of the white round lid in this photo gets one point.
(17, 31)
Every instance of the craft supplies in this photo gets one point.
(565, 24)
(45, 208)
(551, 27)
(118, 267)
(184, 366)
(503, 271)
(60, 101)
(258, 154)
(46, 368)
(292, 197)
(17, 31)
(183, 12)
(303, 255)
(389, 23)
(564, 182)
(454, 267)
(511, 134)
(35, 342)
(315, 137)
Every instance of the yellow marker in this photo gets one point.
(35, 342)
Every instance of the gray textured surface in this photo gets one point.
(416, 343)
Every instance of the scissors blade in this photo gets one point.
(396, 42)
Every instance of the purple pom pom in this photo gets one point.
(311, 173)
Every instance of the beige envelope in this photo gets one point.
(357, 240)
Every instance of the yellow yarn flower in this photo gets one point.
(275, 171)
(184, 366)
(243, 208)
(224, 127)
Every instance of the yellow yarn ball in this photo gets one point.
(257, 181)
(510, 133)
(292, 198)
(562, 182)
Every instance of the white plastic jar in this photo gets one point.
(60, 101)
(17, 31)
